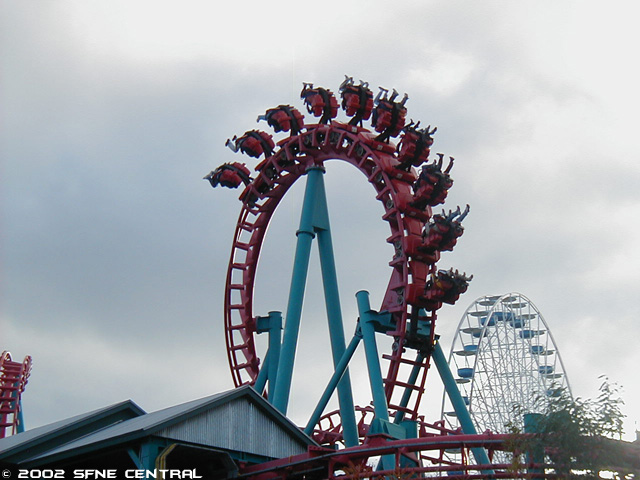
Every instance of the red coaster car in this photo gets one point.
(413, 149)
(254, 143)
(229, 175)
(320, 102)
(284, 118)
(357, 100)
(388, 115)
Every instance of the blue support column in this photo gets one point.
(371, 353)
(380, 423)
(480, 454)
(20, 427)
(145, 455)
(536, 454)
(273, 326)
(305, 236)
(263, 374)
(334, 313)
(315, 220)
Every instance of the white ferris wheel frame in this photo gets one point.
(506, 362)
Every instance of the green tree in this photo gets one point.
(575, 437)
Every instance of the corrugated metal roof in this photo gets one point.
(67, 428)
(154, 422)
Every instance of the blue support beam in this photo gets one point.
(333, 382)
(380, 423)
(263, 375)
(273, 326)
(305, 236)
(314, 221)
(367, 317)
(536, 454)
(145, 454)
(20, 426)
(334, 314)
(479, 453)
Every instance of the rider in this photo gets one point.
(229, 175)
(284, 118)
(443, 231)
(357, 100)
(388, 115)
(320, 102)
(414, 146)
(254, 143)
(433, 184)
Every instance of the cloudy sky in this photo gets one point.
(114, 250)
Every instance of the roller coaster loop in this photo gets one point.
(408, 185)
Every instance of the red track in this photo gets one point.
(277, 173)
(414, 286)
(13, 380)
(351, 463)
(428, 454)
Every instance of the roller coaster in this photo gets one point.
(408, 184)
(388, 437)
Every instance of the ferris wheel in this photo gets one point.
(507, 362)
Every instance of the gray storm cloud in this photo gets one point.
(115, 251)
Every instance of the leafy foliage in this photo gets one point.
(574, 437)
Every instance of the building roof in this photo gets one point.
(145, 425)
(40, 439)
